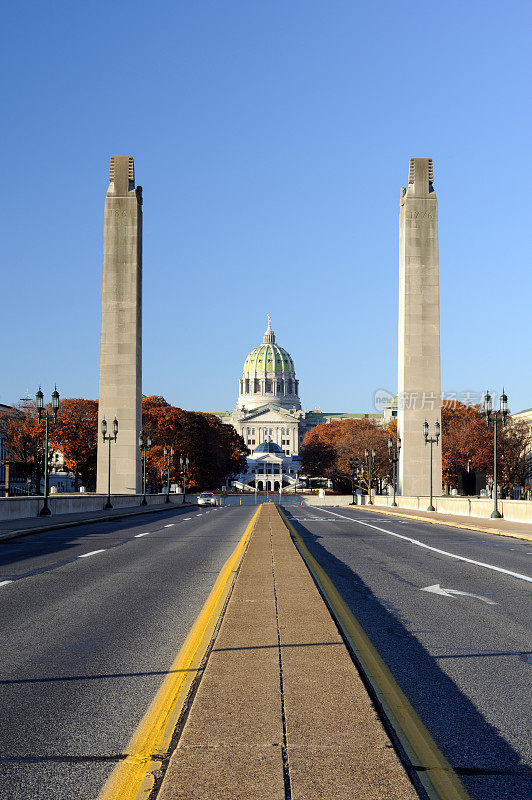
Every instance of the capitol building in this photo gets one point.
(270, 419)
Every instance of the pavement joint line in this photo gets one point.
(426, 759)
(466, 526)
(416, 542)
(284, 747)
(133, 778)
(75, 523)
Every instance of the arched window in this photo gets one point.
(289, 389)
(268, 385)
(256, 385)
(246, 383)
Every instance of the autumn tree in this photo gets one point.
(24, 439)
(328, 448)
(466, 441)
(513, 446)
(75, 435)
(216, 451)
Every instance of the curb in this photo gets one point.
(75, 523)
(469, 527)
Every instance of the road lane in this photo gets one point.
(463, 664)
(88, 640)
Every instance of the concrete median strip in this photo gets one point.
(281, 710)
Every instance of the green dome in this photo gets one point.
(269, 358)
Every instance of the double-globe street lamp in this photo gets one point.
(111, 438)
(394, 458)
(183, 468)
(168, 456)
(353, 466)
(492, 417)
(370, 461)
(145, 448)
(41, 413)
(431, 440)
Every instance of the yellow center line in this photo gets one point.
(436, 774)
(132, 778)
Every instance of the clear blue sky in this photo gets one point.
(271, 139)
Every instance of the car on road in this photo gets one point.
(206, 499)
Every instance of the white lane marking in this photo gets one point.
(437, 589)
(138, 535)
(3, 583)
(199, 515)
(92, 553)
(185, 518)
(434, 549)
(169, 526)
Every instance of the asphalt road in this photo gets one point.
(91, 622)
(464, 663)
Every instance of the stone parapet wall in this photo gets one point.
(481, 507)
(25, 507)
(512, 510)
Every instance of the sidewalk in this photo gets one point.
(13, 528)
(502, 527)
(281, 710)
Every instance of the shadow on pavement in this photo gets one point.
(489, 767)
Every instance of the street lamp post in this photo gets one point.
(432, 440)
(144, 453)
(370, 461)
(41, 413)
(493, 417)
(111, 438)
(353, 466)
(184, 468)
(394, 458)
(168, 459)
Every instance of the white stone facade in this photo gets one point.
(269, 418)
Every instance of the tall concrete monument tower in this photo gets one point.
(121, 332)
(419, 397)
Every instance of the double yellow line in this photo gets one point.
(434, 771)
(132, 778)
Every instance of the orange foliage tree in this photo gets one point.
(466, 441)
(327, 449)
(215, 451)
(513, 447)
(24, 441)
(75, 435)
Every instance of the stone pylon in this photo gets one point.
(419, 389)
(121, 332)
